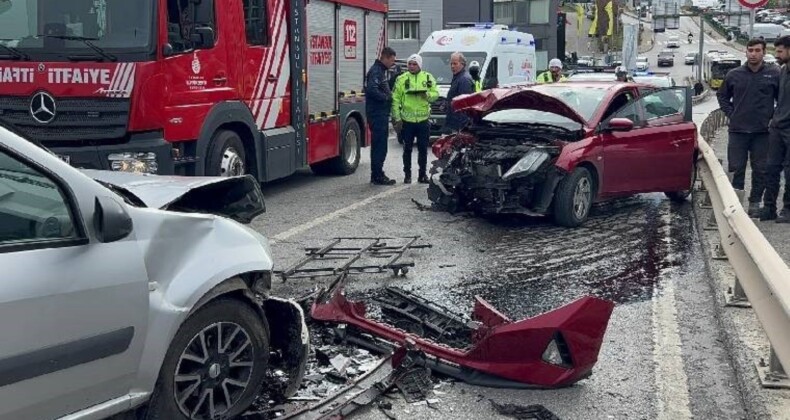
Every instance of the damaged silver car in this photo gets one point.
(128, 292)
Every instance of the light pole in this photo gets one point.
(701, 41)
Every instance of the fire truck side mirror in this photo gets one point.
(203, 37)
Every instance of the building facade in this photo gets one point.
(537, 17)
(412, 21)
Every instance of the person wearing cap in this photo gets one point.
(622, 74)
(554, 74)
(414, 92)
(474, 71)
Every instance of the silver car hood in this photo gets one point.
(239, 198)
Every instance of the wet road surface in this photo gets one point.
(661, 357)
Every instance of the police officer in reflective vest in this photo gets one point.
(554, 74)
(474, 71)
(414, 92)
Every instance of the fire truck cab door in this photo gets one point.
(266, 61)
(196, 65)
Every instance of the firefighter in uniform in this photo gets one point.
(474, 71)
(414, 92)
(554, 74)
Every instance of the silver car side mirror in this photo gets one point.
(110, 220)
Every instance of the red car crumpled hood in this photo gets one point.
(478, 105)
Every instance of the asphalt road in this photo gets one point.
(662, 356)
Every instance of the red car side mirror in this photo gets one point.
(619, 124)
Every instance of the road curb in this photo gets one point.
(698, 99)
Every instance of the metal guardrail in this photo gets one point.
(762, 277)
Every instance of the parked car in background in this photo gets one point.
(122, 290)
(540, 150)
(673, 41)
(655, 79)
(691, 58)
(642, 63)
(769, 58)
(585, 60)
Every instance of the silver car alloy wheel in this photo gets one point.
(582, 197)
(213, 371)
(232, 163)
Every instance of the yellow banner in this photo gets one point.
(594, 25)
(609, 12)
(579, 18)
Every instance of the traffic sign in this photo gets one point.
(753, 4)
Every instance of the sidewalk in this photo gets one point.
(778, 234)
(743, 335)
(648, 37)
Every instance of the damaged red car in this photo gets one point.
(557, 149)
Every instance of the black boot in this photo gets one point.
(407, 178)
(768, 213)
(382, 180)
(754, 210)
(784, 216)
(422, 179)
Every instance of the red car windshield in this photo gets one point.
(585, 101)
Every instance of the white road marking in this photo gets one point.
(670, 377)
(296, 230)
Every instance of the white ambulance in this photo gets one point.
(506, 58)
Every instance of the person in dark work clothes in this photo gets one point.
(461, 84)
(747, 97)
(779, 141)
(378, 103)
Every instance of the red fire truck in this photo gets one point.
(191, 87)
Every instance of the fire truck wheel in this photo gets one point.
(350, 151)
(226, 155)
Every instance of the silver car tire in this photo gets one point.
(231, 366)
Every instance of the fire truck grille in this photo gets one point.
(76, 119)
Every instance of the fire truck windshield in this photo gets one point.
(56, 29)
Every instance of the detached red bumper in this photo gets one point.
(553, 349)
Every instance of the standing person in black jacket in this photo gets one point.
(779, 141)
(461, 84)
(378, 104)
(747, 97)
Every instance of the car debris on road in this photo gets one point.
(406, 342)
